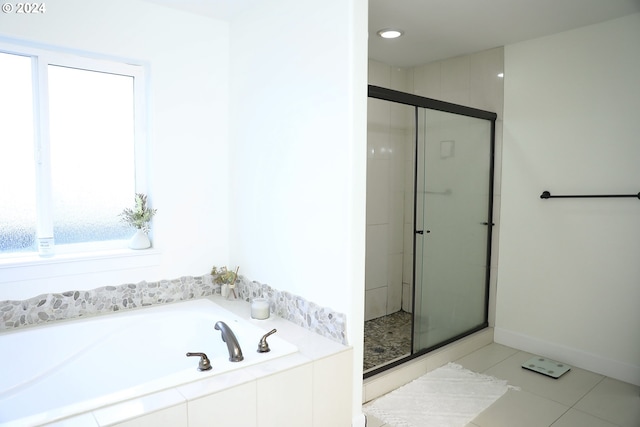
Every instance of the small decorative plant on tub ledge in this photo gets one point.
(139, 217)
(226, 279)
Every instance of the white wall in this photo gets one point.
(188, 60)
(298, 151)
(569, 269)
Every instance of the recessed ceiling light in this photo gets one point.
(389, 33)
(501, 75)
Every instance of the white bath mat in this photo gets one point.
(450, 396)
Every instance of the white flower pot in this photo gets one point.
(140, 240)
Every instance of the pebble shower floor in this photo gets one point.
(386, 338)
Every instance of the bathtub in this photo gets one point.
(54, 371)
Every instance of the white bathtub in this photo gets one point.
(54, 371)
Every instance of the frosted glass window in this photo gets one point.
(17, 174)
(91, 129)
(72, 150)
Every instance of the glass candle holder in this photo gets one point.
(260, 308)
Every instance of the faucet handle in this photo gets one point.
(204, 364)
(263, 345)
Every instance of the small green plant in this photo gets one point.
(223, 275)
(140, 216)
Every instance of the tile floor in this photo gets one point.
(577, 399)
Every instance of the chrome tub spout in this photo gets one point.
(235, 353)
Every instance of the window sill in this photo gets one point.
(31, 267)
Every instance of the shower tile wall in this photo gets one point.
(387, 145)
(470, 80)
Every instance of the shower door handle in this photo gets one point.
(422, 231)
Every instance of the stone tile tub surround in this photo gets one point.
(73, 304)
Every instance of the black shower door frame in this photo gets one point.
(417, 101)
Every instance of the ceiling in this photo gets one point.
(225, 10)
(439, 29)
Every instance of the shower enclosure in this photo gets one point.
(429, 222)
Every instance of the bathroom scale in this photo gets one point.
(548, 367)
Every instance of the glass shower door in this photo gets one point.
(452, 226)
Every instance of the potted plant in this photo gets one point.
(139, 217)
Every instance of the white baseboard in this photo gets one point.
(578, 358)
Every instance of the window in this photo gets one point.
(71, 150)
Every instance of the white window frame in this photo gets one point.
(41, 58)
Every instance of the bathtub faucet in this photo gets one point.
(235, 353)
